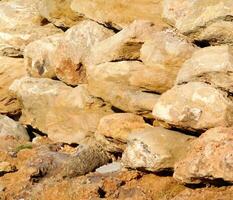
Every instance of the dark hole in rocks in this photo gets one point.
(117, 110)
(196, 133)
(151, 92)
(102, 193)
(44, 22)
(32, 132)
(202, 43)
(149, 121)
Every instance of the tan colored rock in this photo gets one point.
(207, 66)
(209, 20)
(113, 130)
(194, 106)
(119, 13)
(39, 56)
(155, 149)
(66, 114)
(125, 45)
(70, 54)
(10, 69)
(59, 12)
(210, 158)
(164, 55)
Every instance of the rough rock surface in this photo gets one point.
(10, 69)
(210, 158)
(66, 114)
(155, 149)
(194, 106)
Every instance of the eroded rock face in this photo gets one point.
(155, 149)
(59, 12)
(207, 66)
(10, 69)
(69, 56)
(210, 158)
(107, 12)
(209, 20)
(66, 114)
(113, 130)
(194, 106)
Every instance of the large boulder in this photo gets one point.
(206, 65)
(194, 106)
(119, 13)
(10, 70)
(210, 158)
(72, 50)
(155, 149)
(66, 114)
(208, 21)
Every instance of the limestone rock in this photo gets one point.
(10, 69)
(66, 114)
(9, 127)
(155, 149)
(119, 13)
(207, 66)
(210, 158)
(59, 12)
(38, 56)
(125, 45)
(113, 130)
(164, 56)
(72, 49)
(209, 20)
(194, 106)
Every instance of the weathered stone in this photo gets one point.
(119, 13)
(194, 106)
(210, 158)
(110, 168)
(164, 56)
(39, 56)
(155, 149)
(9, 127)
(113, 130)
(207, 66)
(6, 167)
(10, 69)
(72, 49)
(210, 20)
(125, 45)
(66, 114)
(59, 12)
(112, 82)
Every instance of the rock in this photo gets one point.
(48, 104)
(38, 56)
(59, 12)
(70, 54)
(210, 158)
(209, 21)
(113, 82)
(6, 167)
(155, 149)
(10, 69)
(125, 45)
(9, 127)
(194, 106)
(113, 130)
(205, 65)
(107, 12)
(164, 55)
(110, 168)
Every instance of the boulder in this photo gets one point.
(210, 158)
(194, 106)
(39, 56)
(66, 114)
(10, 69)
(71, 51)
(59, 12)
(155, 149)
(119, 13)
(206, 65)
(209, 21)
(113, 130)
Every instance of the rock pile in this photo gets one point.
(116, 99)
